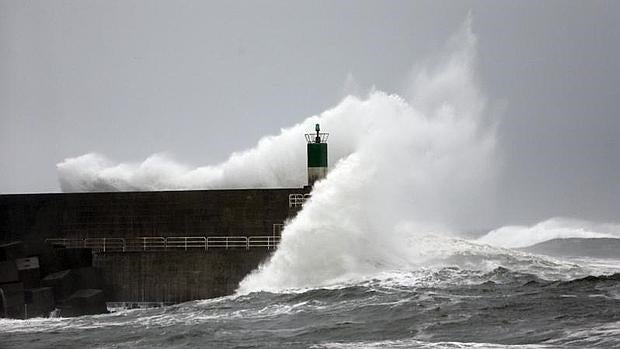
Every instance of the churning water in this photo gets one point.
(432, 307)
(375, 258)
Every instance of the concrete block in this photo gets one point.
(64, 283)
(12, 300)
(27, 263)
(84, 302)
(39, 302)
(30, 277)
(8, 272)
(11, 251)
(28, 269)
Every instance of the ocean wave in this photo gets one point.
(516, 236)
(446, 307)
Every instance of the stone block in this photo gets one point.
(8, 272)
(12, 300)
(84, 302)
(30, 277)
(39, 302)
(11, 251)
(28, 269)
(64, 283)
(27, 263)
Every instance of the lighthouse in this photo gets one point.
(317, 155)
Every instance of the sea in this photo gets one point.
(533, 301)
(350, 271)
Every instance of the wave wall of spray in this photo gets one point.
(401, 166)
(422, 164)
(405, 172)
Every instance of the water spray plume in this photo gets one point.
(515, 236)
(406, 172)
(422, 166)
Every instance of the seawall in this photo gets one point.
(164, 271)
(175, 276)
(131, 214)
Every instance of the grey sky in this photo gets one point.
(200, 80)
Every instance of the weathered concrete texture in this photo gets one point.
(84, 302)
(39, 302)
(30, 277)
(12, 250)
(12, 300)
(53, 260)
(31, 217)
(177, 276)
(8, 272)
(171, 276)
(28, 269)
(63, 283)
(66, 282)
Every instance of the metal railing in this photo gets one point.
(311, 137)
(103, 244)
(172, 243)
(276, 229)
(186, 242)
(297, 200)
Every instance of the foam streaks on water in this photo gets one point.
(446, 307)
(376, 258)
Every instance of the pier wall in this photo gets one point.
(175, 276)
(169, 276)
(249, 212)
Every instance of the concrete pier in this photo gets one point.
(175, 276)
(136, 242)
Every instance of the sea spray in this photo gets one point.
(276, 161)
(426, 165)
(406, 172)
(515, 236)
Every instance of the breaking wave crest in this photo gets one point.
(437, 307)
(555, 228)
(426, 168)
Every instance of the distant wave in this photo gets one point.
(516, 236)
(444, 307)
(578, 247)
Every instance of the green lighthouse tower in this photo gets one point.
(317, 155)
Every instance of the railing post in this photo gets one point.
(104, 245)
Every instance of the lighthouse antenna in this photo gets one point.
(318, 136)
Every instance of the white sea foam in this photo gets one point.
(276, 161)
(426, 167)
(555, 228)
(405, 172)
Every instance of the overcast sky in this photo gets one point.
(200, 79)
